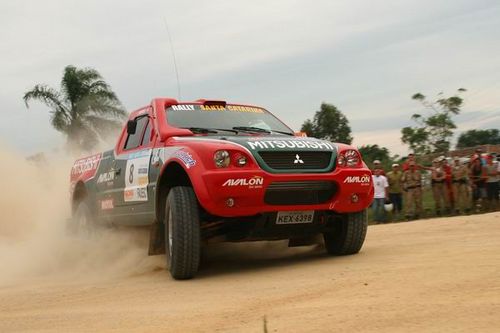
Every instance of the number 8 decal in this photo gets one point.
(131, 175)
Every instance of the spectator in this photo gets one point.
(492, 184)
(478, 153)
(378, 165)
(477, 176)
(412, 184)
(438, 177)
(411, 159)
(448, 185)
(395, 190)
(498, 170)
(460, 187)
(380, 186)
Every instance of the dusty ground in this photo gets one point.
(434, 275)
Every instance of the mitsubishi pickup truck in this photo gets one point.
(210, 171)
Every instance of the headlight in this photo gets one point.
(349, 158)
(222, 159)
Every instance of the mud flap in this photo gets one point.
(157, 239)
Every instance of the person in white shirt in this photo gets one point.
(380, 186)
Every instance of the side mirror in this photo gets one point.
(131, 127)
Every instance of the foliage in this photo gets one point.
(474, 138)
(374, 152)
(85, 108)
(432, 133)
(329, 123)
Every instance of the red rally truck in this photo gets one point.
(206, 171)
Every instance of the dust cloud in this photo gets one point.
(34, 242)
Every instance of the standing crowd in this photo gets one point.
(466, 186)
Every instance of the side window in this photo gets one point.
(147, 135)
(134, 140)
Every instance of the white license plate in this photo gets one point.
(295, 217)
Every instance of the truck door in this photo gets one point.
(105, 186)
(134, 195)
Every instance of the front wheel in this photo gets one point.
(348, 236)
(182, 233)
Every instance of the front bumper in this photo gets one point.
(253, 192)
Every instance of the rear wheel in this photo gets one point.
(348, 236)
(83, 222)
(182, 233)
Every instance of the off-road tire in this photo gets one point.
(349, 234)
(182, 233)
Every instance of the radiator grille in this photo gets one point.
(296, 160)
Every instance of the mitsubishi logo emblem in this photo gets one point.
(298, 160)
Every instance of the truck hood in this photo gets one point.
(269, 143)
(282, 153)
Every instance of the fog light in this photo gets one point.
(241, 161)
(354, 198)
(230, 202)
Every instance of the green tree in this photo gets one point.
(85, 108)
(432, 133)
(474, 138)
(329, 123)
(374, 152)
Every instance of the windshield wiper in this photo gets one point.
(204, 130)
(201, 130)
(283, 132)
(251, 129)
(260, 130)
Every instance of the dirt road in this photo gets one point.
(433, 275)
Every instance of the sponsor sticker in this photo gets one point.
(289, 144)
(137, 177)
(128, 195)
(234, 108)
(85, 167)
(136, 194)
(160, 155)
(212, 108)
(251, 183)
(106, 177)
(107, 204)
(240, 108)
(143, 180)
(186, 158)
(363, 180)
(183, 107)
(141, 153)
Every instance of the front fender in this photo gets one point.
(193, 167)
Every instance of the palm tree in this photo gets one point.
(85, 109)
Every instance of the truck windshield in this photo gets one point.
(230, 117)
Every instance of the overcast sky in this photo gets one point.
(366, 57)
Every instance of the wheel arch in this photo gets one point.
(80, 193)
(172, 175)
